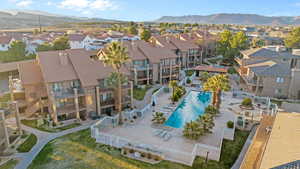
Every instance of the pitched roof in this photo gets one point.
(55, 67)
(283, 145)
(211, 69)
(272, 69)
(5, 39)
(30, 73)
(267, 53)
(89, 71)
(76, 37)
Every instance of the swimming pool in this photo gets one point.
(189, 109)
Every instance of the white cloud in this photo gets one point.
(24, 3)
(81, 5)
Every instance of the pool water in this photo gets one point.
(189, 109)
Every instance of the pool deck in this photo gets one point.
(142, 130)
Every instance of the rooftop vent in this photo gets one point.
(63, 58)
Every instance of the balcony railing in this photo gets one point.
(65, 93)
(69, 108)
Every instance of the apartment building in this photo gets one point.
(270, 71)
(4, 138)
(152, 65)
(189, 53)
(70, 85)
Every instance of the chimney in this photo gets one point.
(63, 58)
(168, 39)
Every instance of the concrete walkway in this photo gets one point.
(139, 104)
(43, 139)
(246, 146)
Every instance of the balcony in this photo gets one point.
(69, 108)
(142, 67)
(107, 102)
(67, 93)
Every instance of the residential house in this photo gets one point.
(270, 71)
(5, 42)
(70, 85)
(76, 41)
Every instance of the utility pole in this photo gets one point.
(40, 26)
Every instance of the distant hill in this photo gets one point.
(12, 19)
(242, 19)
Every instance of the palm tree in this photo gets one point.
(115, 55)
(216, 85)
(206, 122)
(159, 118)
(173, 85)
(192, 130)
(211, 110)
(205, 76)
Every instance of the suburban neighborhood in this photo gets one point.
(219, 91)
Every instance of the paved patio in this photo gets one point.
(142, 131)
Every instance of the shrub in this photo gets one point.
(247, 102)
(231, 70)
(188, 81)
(230, 124)
(143, 155)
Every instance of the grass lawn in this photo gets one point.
(139, 93)
(79, 150)
(9, 165)
(33, 124)
(27, 144)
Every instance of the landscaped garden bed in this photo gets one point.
(140, 92)
(9, 164)
(47, 128)
(27, 144)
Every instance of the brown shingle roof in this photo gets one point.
(53, 69)
(89, 70)
(5, 39)
(30, 73)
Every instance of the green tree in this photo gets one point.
(257, 43)
(112, 80)
(293, 39)
(211, 110)
(158, 118)
(44, 47)
(192, 130)
(17, 49)
(61, 43)
(145, 35)
(229, 45)
(206, 122)
(132, 30)
(216, 85)
(115, 55)
(204, 76)
(173, 84)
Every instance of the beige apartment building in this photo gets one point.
(70, 85)
(270, 71)
(189, 54)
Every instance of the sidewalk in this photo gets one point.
(43, 139)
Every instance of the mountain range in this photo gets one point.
(12, 19)
(226, 18)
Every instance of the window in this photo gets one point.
(278, 91)
(75, 84)
(279, 80)
(56, 87)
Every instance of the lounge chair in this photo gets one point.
(162, 135)
(157, 132)
(167, 137)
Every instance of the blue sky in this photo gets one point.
(146, 10)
